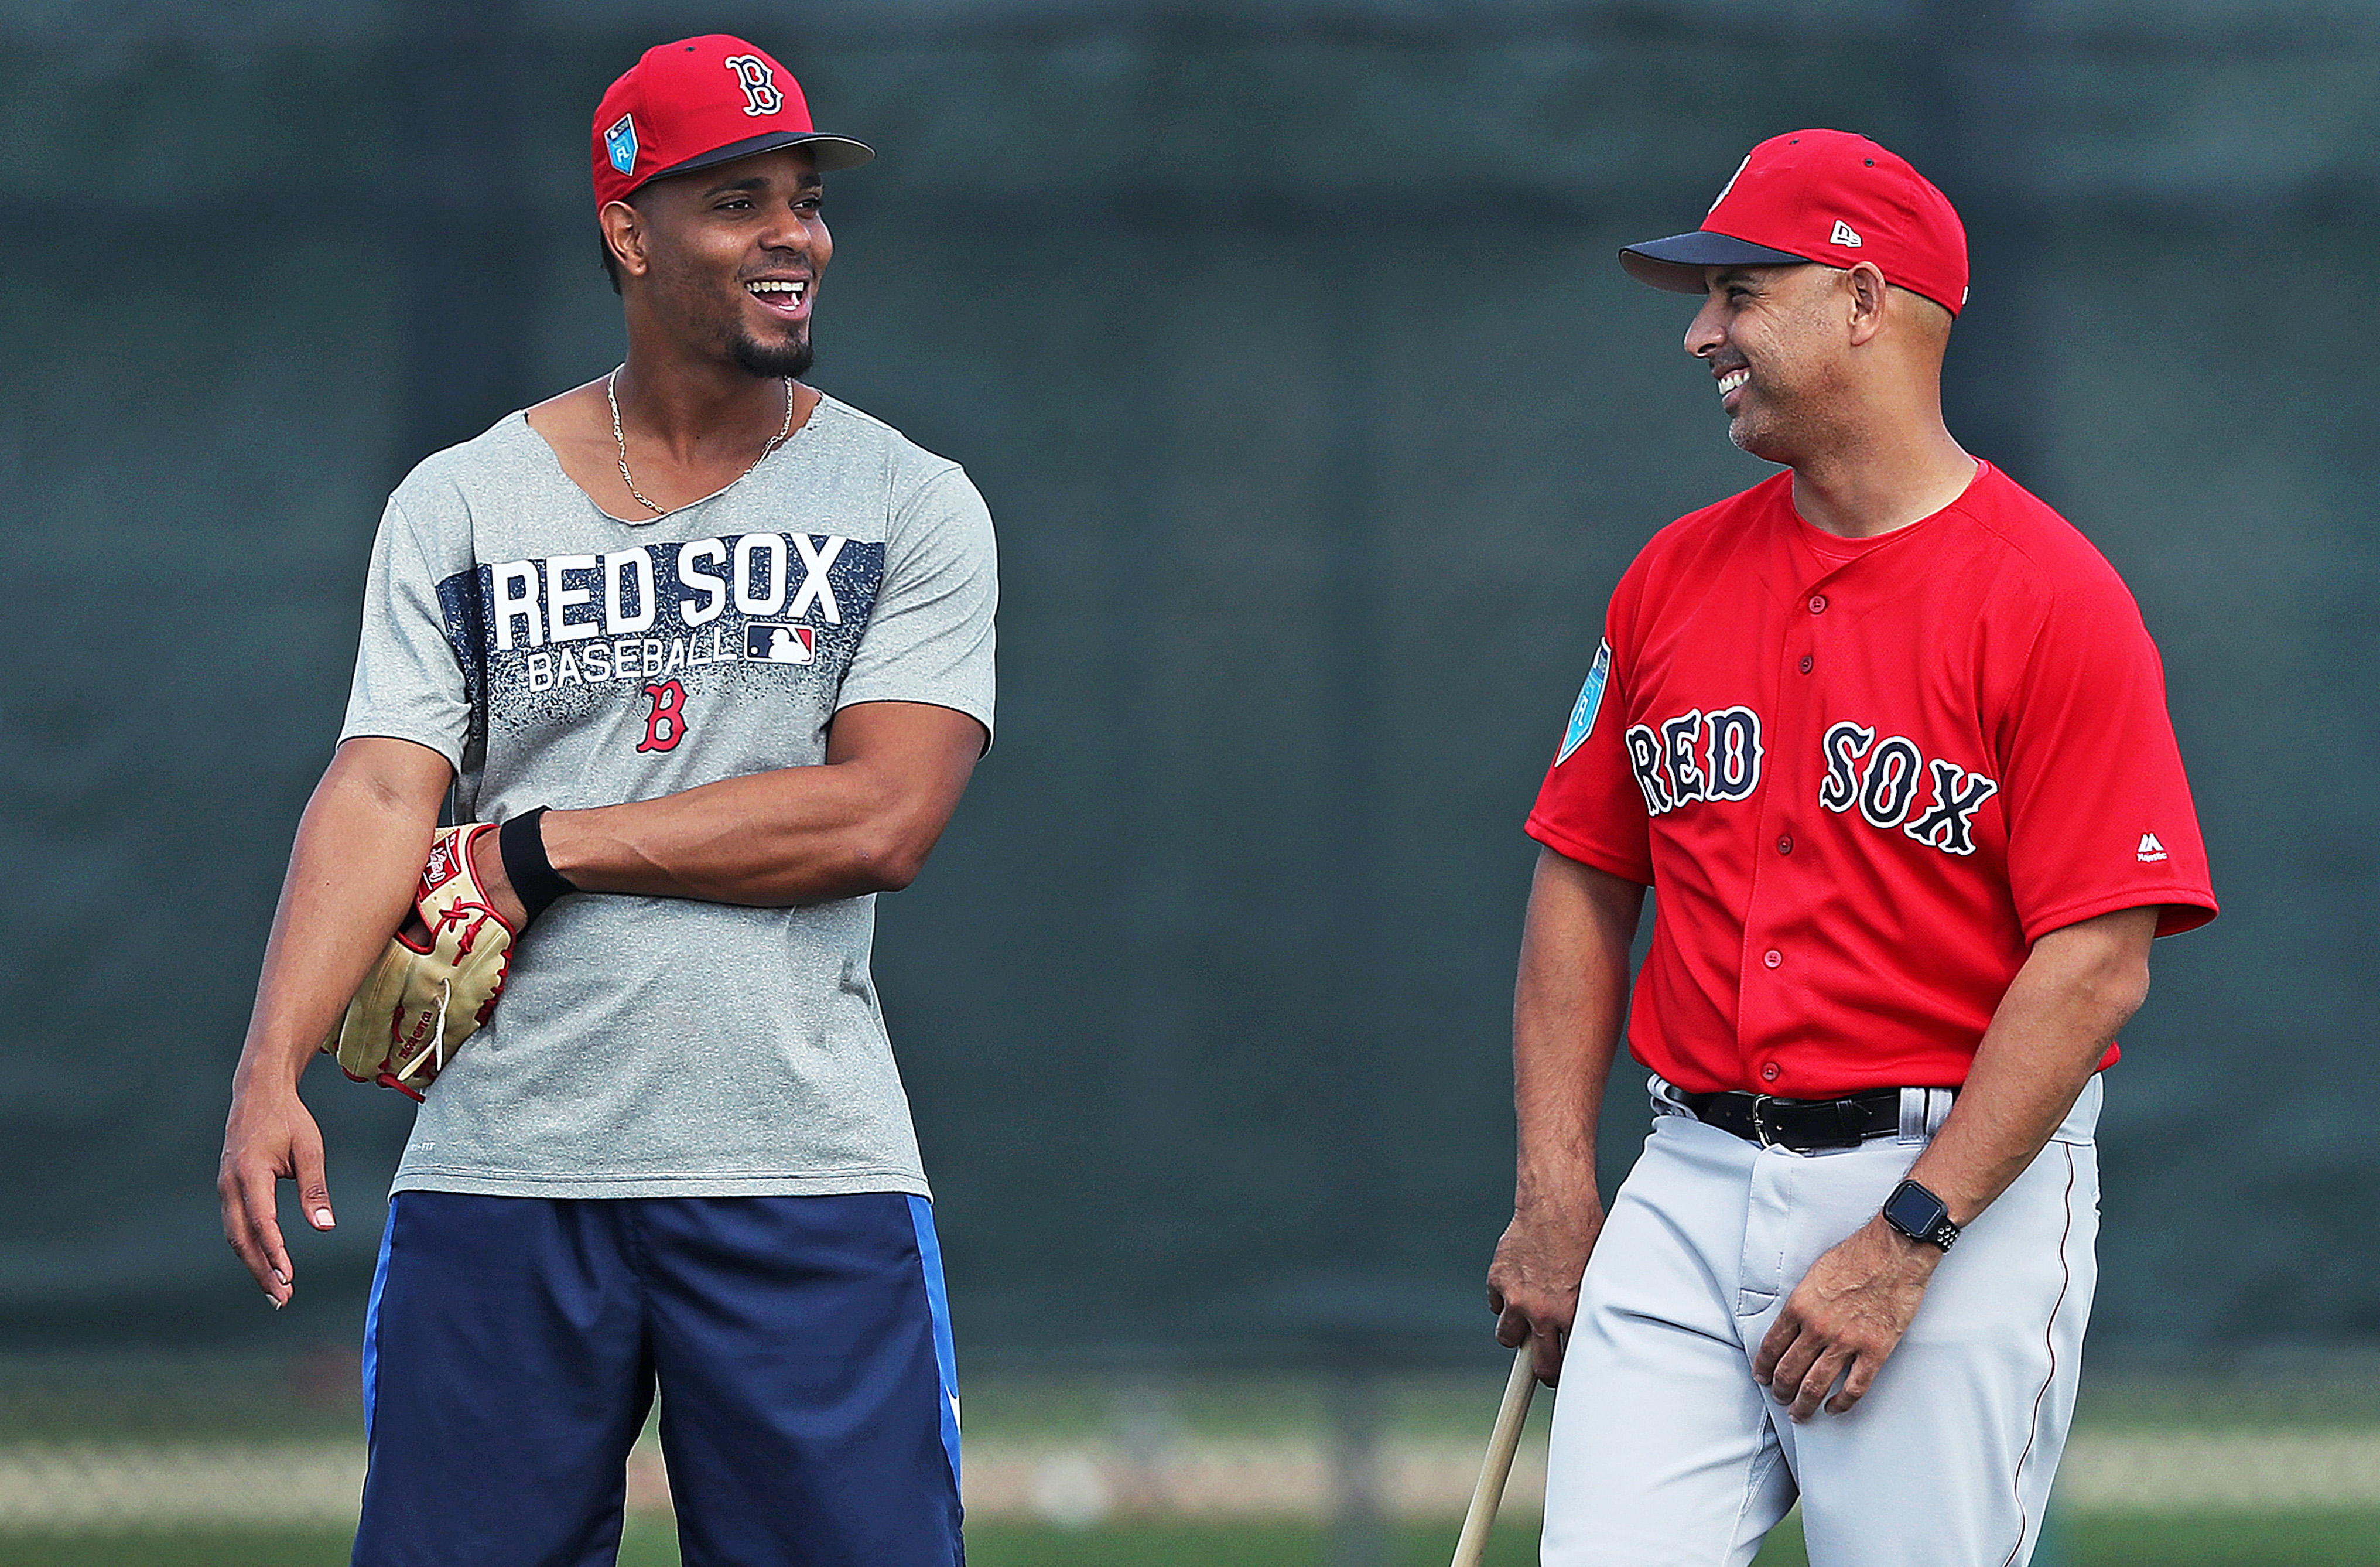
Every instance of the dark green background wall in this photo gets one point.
(1287, 344)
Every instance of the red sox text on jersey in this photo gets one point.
(1716, 756)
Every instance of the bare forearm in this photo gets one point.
(2079, 987)
(351, 876)
(861, 821)
(1567, 1012)
(770, 840)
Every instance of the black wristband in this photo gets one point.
(521, 842)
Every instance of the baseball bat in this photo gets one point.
(1501, 1444)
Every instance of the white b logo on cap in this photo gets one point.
(1844, 234)
(758, 82)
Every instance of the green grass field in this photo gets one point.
(2346, 1539)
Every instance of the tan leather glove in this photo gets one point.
(425, 997)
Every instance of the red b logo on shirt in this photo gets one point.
(666, 725)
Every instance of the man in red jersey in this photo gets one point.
(1889, 740)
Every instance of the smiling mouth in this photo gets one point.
(785, 296)
(1733, 381)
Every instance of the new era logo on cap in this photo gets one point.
(1845, 235)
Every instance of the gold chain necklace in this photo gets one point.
(620, 440)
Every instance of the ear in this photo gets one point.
(1868, 294)
(624, 231)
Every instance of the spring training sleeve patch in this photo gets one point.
(1589, 808)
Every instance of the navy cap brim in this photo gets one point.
(1676, 264)
(828, 152)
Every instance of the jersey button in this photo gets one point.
(1772, 957)
(1806, 663)
(1817, 603)
(1768, 1073)
(1785, 844)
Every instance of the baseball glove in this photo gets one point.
(429, 991)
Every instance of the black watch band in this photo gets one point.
(1920, 1215)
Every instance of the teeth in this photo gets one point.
(1732, 379)
(773, 286)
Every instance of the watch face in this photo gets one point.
(1915, 1211)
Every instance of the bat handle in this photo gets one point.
(1510, 1416)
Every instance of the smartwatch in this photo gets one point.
(1920, 1215)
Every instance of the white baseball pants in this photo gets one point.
(1667, 1453)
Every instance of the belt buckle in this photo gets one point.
(1760, 1103)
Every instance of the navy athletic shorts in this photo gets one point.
(801, 1347)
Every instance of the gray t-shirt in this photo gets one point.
(558, 656)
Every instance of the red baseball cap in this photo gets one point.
(703, 101)
(1823, 196)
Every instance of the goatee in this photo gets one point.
(782, 361)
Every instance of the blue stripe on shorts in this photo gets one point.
(937, 1301)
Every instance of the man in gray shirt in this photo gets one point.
(718, 649)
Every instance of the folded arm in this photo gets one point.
(863, 821)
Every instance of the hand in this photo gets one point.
(1533, 1283)
(270, 1137)
(1843, 1319)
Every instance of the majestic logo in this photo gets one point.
(620, 144)
(758, 82)
(1844, 233)
(781, 644)
(2151, 850)
(666, 725)
(1882, 778)
(1696, 756)
(1590, 703)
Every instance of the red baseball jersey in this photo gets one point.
(1862, 777)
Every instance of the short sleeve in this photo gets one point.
(2099, 813)
(1589, 808)
(930, 639)
(409, 681)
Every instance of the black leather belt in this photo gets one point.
(1802, 1125)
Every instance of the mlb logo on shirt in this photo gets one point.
(774, 643)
